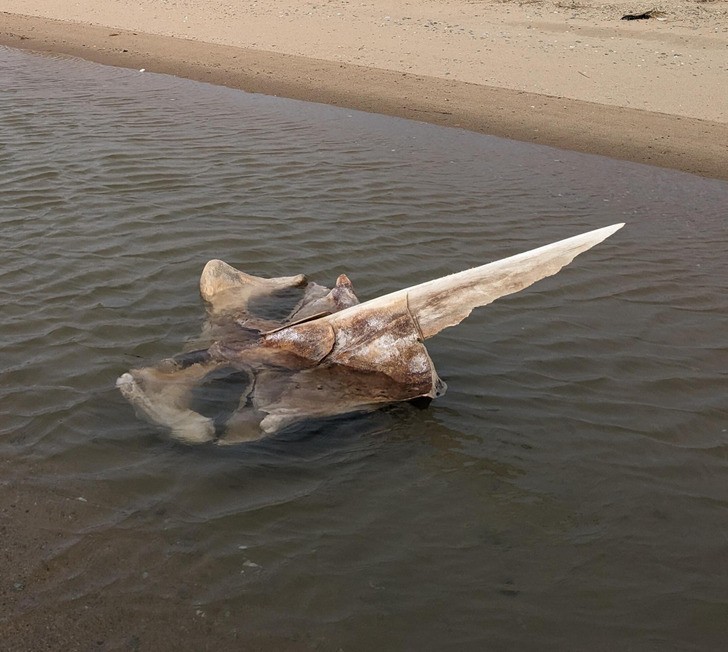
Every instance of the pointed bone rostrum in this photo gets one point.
(444, 302)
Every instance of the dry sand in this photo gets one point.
(567, 73)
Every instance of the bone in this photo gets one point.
(163, 398)
(225, 288)
(332, 355)
(444, 302)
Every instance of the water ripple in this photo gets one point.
(576, 465)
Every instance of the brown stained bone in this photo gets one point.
(370, 359)
(386, 340)
(331, 355)
(311, 340)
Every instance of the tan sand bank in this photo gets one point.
(568, 74)
(675, 63)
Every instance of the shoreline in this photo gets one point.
(683, 143)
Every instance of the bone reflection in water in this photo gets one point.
(329, 355)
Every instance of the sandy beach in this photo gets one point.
(569, 74)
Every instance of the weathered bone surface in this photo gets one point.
(329, 355)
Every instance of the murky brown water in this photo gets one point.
(569, 492)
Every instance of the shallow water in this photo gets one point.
(568, 491)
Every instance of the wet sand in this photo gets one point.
(570, 75)
(38, 526)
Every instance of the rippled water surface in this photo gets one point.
(569, 491)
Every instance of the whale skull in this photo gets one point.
(330, 354)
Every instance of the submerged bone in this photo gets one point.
(164, 397)
(328, 391)
(225, 288)
(330, 355)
